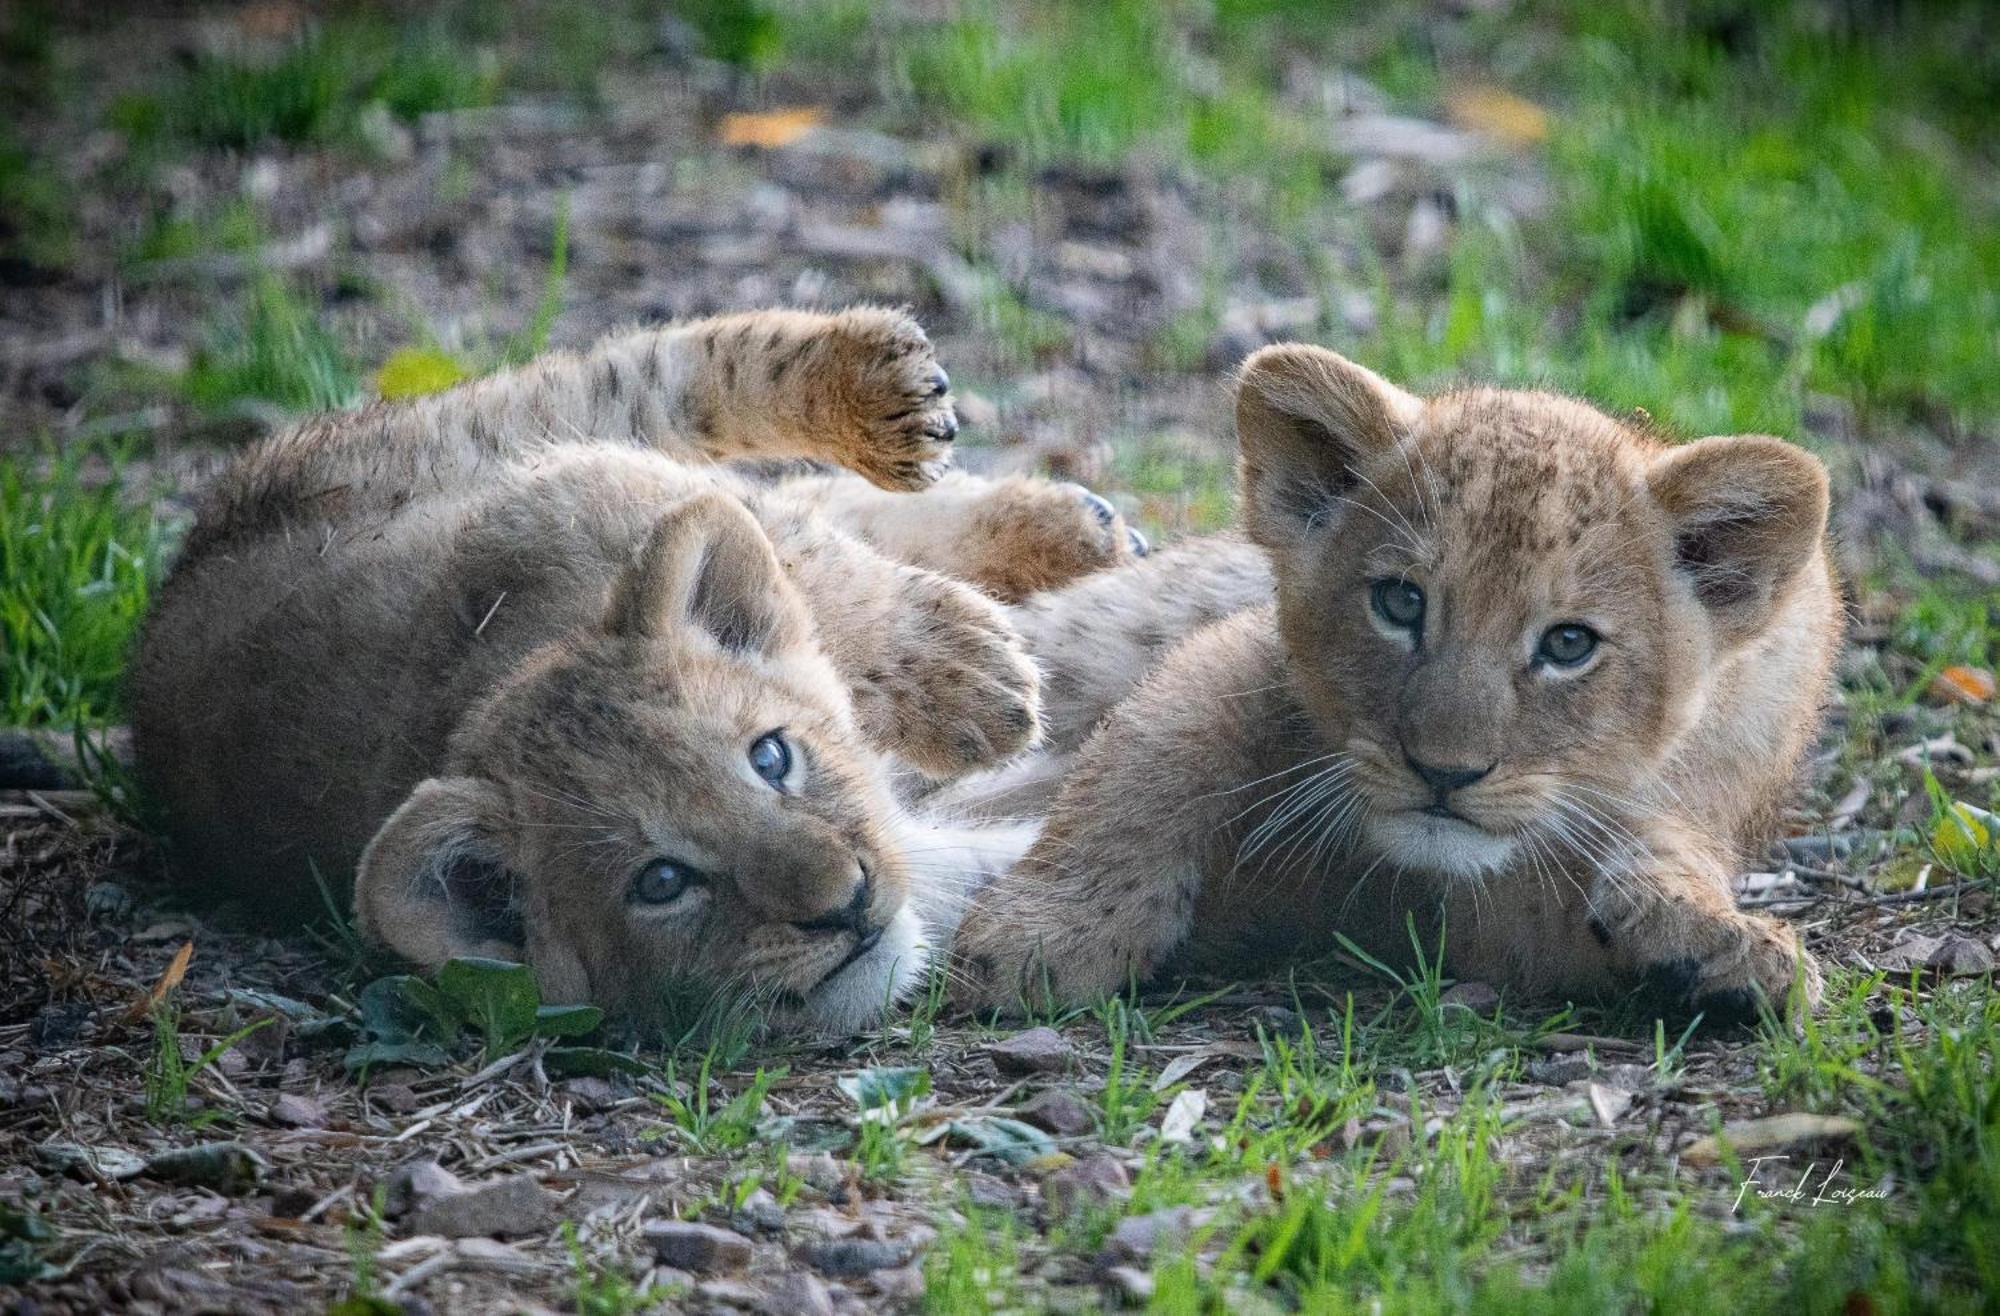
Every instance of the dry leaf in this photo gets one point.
(770, 129)
(1962, 685)
(1501, 115)
(1795, 1133)
(176, 970)
(1179, 1068)
(1183, 1113)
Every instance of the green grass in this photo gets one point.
(709, 1125)
(272, 347)
(37, 229)
(77, 564)
(317, 89)
(170, 1073)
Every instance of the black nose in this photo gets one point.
(850, 917)
(1443, 781)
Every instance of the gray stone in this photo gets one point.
(498, 1208)
(590, 1093)
(1559, 1071)
(1091, 1181)
(901, 1284)
(1059, 1111)
(418, 1184)
(1135, 1286)
(798, 1294)
(695, 1247)
(295, 1111)
(1137, 1237)
(396, 1098)
(846, 1258)
(1037, 1051)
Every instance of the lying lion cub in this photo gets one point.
(1529, 670)
(567, 691)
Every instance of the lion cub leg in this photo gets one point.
(1669, 924)
(1011, 537)
(937, 674)
(859, 388)
(1110, 891)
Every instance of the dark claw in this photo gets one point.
(1100, 507)
(939, 381)
(1140, 544)
(944, 428)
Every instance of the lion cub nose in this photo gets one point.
(850, 917)
(1443, 781)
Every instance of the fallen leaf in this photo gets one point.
(1797, 1131)
(1962, 685)
(1963, 835)
(770, 129)
(1179, 1068)
(1007, 1140)
(168, 980)
(1607, 1103)
(1500, 114)
(1183, 1113)
(415, 371)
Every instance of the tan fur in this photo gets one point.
(524, 633)
(1258, 791)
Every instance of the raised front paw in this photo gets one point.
(953, 689)
(1027, 536)
(885, 398)
(1733, 970)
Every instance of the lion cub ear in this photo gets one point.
(433, 884)
(1306, 421)
(1747, 514)
(707, 563)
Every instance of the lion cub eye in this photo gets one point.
(771, 758)
(1567, 645)
(1399, 603)
(662, 881)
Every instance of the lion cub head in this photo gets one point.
(1505, 607)
(679, 795)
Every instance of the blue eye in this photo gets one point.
(771, 758)
(1399, 603)
(1567, 645)
(662, 881)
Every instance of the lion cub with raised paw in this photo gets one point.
(1529, 671)
(565, 688)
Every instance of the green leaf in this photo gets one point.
(567, 1020)
(897, 1089)
(498, 997)
(423, 1055)
(365, 1305)
(405, 1008)
(1008, 1140)
(590, 1062)
(414, 371)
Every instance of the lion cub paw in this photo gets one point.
(997, 964)
(890, 399)
(957, 690)
(1028, 536)
(1750, 964)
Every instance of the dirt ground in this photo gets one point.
(322, 1189)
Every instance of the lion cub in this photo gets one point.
(565, 689)
(1529, 671)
